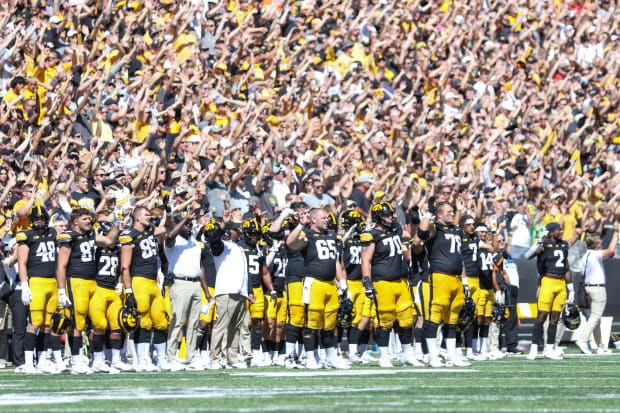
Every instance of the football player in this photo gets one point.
(251, 233)
(276, 309)
(322, 265)
(289, 218)
(77, 270)
(485, 297)
(552, 257)
(448, 284)
(36, 258)
(139, 265)
(382, 278)
(351, 223)
(106, 304)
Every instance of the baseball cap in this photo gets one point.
(365, 178)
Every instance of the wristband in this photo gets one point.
(343, 284)
(570, 287)
(128, 291)
(465, 283)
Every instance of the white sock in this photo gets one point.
(534, 349)
(290, 348)
(431, 343)
(161, 352)
(384, 352)
(98, 356)
(407, 349)
(41, 356)
(549, 347)
(469, 351)
(322, 353)
(57, 356)
(29, 358)
(484, 345)
(75, 359)
(256, 354)
(143, 351)
(352, 349)
(116, 356)
(450, 348)
(418, 350)
(331, 353)
(132, 347)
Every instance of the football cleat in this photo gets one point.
(26, 369)
(435, 363)
(45, 366)
(163, 365)
(280, 360)
(385, 362)
(449, 363)
(217, 366)
(120, 366)
(354, 358)
(603, 351)
(550, 353)
(290, 362)
(461, 362)
(367, 358)
(411, 360)
(479, 357)
(196, 364)
(81, 368)
(337, 363)
(146, 366)
(239, 365)
(312, 364)
(99, 366)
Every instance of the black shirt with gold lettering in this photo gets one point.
(82, 261)
(144, 259)
(554, 257)
(255, 261)
(320, 255)
(42, 252)
(387, 260)
(445, 250)
(470, 248)
(352, 256)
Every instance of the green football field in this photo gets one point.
(576, 384)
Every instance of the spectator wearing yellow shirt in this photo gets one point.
(14, 95)
(23, 206)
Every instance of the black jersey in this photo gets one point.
(144, 258)
(42, 252)
(107, 266)
(255, 261)
(419, 265)
(352, 257)
(295, 268)
(82, 261)
(470, 249)
(320, 255)
(277, 269)
(387, 261)
(208, 263)
(553, 258)
(485, 267)
(445, 250)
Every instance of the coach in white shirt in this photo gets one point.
(594, 272)
(184, 265)
(232, 290)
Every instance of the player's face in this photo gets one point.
(144, 217)
(557, 234)
(84, 223)
(468, 229)
(320, 220)
(447, 215)
(303, 215)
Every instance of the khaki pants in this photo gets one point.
(230, 315)
(598, 297)
(186, 302)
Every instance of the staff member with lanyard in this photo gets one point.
(594, 278)
(184, 265)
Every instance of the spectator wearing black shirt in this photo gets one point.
(359, 194)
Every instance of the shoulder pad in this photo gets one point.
(64, 238)
(366, 237)
(21, 236)
(125, 238)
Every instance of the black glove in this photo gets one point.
(130, 301)
(369, 289)
(167, 205)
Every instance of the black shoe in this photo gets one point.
(514, 351)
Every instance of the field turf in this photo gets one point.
(576, 384)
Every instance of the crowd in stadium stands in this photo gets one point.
(509, 110)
